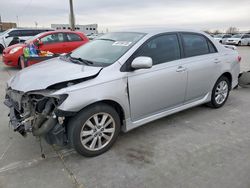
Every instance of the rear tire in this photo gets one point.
(220, 92)
(94, 130)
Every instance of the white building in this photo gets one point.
(86, 29)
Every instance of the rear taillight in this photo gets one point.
(239, 59)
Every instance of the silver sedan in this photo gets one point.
(118, 82)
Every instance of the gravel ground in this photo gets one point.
(196, 148)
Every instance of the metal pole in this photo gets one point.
(17, 19)
(1, 23)
(72, 16)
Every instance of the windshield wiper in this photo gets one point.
(82, 61)
(106, 39)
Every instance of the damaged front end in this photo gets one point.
(35, 112)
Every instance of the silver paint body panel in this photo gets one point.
(144, 95)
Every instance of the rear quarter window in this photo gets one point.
(72, 37)
(212, 48)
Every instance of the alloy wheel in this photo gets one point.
(97, 131)
(221, 92)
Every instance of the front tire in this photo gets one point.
(21, 63)
(94, 130)
(220, 92)
(239, 43)
(1, 49)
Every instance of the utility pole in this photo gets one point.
(17, 19)
(72, 16)
(1, 27)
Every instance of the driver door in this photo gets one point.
(161, 87)
(54, 43)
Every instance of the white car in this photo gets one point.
(222, 38)
(16, 35)
(239, 40)
(119, 81)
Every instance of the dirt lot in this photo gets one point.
(196, 148)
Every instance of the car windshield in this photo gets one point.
(218, 36)
(107, 49)
(237, 36)
(5, 32)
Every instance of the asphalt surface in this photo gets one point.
(196, 148)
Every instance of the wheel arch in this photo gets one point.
(118, 107)
(19, 62)
(1, 48)
(228, 75)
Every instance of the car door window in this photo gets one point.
(212, 48)
(26, 33)
(36, 32)
(161, 49)
(72, 37)
(14, 33)
(53, 38)
(246, 36)
(194, 45)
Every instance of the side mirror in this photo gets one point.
(15, 38)
(7, 36)
(142, 62)
(38, 42)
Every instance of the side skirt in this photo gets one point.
(129, 125)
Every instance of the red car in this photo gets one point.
(57, 42)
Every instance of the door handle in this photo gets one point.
(181, 69)
(216, 61)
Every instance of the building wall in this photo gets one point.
(86, 29)
(7, 25)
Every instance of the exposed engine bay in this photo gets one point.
(34, 112)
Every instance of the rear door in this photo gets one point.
(203, 65)
(161, 87)
(73, 41)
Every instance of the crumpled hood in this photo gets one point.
(44, 74)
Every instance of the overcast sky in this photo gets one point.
(118, 14)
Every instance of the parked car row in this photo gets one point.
(56, 42)
(222, 38)
(238, 39)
